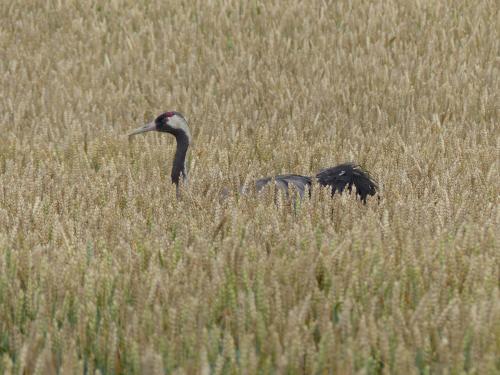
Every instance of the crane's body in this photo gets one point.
(339, 178)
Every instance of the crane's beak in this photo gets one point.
(146, 128)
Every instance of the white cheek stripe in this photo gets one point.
(178, 123)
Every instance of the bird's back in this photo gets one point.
(284, 181)
(338, 179)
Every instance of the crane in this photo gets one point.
(339, 178)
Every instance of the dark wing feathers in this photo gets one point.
(347, 175)
(338, 178)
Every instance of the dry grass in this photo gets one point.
(103, 270)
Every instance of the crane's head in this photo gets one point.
(168, 122)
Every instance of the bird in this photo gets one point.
(339, 178)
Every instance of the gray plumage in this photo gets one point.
(284, 181)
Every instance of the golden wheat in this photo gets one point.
(103, 270)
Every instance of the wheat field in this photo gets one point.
(103, 270)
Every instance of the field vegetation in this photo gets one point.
(103, 270)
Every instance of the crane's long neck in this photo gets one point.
(179, 165)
